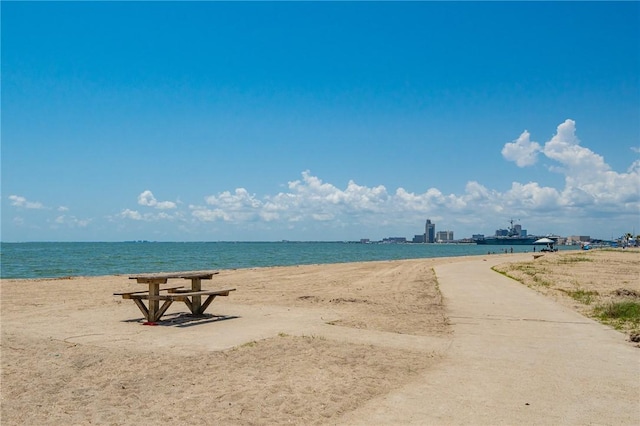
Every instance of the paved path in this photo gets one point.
(515, 358)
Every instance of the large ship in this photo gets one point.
(512, 236)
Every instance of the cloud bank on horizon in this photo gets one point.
(591, 190)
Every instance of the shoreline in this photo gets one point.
(51, 260)
(445, 259)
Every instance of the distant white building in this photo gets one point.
(577, 239)
(444, 236)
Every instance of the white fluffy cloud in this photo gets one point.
(149, 216)
(131, 214)
(146, 198)
(18, 201)
(71, 221)
(522, 150)
(564, 147)
(237, 207)
(589, 180)
(311, 199)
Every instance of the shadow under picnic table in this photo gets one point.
(185, 319)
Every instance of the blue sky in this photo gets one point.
(318, 121)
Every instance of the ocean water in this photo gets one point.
(50, 260)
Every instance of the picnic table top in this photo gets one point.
(183, 274)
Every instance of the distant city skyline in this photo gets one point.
(448, 235)
(318, 121)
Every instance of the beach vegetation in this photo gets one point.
(436, 282)
(249, 344)
(539, 280)
(586, 297)
(619, 250)
(620, 314)
(493, 268)
(526, 274)
(573, 259)
(513, 270)
(310, 338)
(527, 269)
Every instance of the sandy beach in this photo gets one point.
(316, 344)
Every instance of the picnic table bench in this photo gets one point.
(191, 297)
(127, 294)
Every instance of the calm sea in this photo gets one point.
(47, 260)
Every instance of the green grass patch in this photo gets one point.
(626, 310)
(531, 271)
(508, 275)
(573, 259)
(539, 280)
(527, 268)
(583, 296)
(619, 313)
(505, 273)
(621, 250)
(249, 344)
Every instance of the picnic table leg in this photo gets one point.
(154, 305)
(206, 304)
(142, 308)
(162, 310)
(196, 301)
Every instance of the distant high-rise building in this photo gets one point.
(444, 236)
(430, 232)
(517, 229)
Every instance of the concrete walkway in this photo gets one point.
(516, 358)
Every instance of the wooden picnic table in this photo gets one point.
(191, 297)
